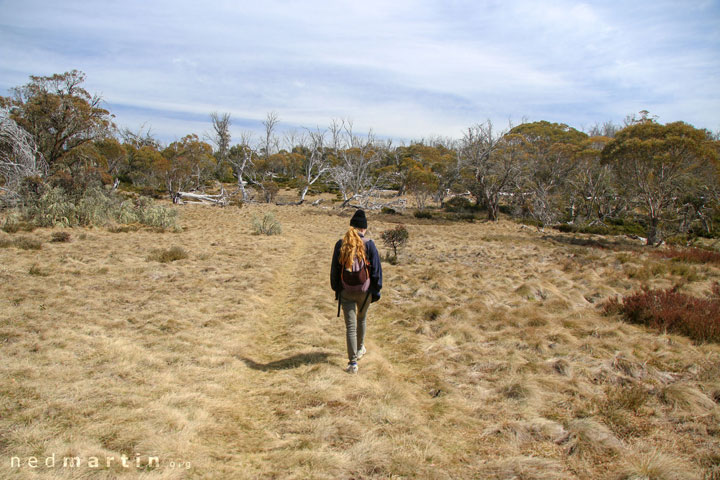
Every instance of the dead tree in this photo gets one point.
(241, 157)
(20, 158)
(354, 175)
(316, 163)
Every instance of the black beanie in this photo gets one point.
(358, 220)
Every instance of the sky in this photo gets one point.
(406, 70)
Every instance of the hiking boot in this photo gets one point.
(352, 368)
(361, 352)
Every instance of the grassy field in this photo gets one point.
(487, 356)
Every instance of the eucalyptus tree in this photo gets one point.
(658, 164)
(60, 115)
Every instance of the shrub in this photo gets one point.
(11, 223)
(270, 190)
(690, 255)
(168, 255)
(422, 214)
(672, 311)
(60, 237)
(268, 225)
(158, 216)
(52, 208)
(235, 201)
(396, 239)
(38, 271)
(458, 205)
(388, 211)
(617, 226)
(27, 243)
(94, 206)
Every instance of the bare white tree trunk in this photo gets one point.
(316, 164)
(354, 176)
(19, 157)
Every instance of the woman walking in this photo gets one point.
(356, 278)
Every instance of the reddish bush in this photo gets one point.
(672, 311)
(690, 255)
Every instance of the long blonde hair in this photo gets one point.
(352, 246)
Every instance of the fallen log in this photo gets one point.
(202, 198)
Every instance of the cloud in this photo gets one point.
(406, 69)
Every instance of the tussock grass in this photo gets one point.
(590, 440)
(232, 359)
(26, 243)
(267, 225)
(526, 468)
(686, 398)
(168, 255)
(655, 465)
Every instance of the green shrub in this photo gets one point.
(422, 214)
(95, 206)
(268, 225)
(52, 208)
(158, 216)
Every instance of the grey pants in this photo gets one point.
(354, 320)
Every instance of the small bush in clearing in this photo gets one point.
(11, 224)
(168, 255)
(38, 271)
(27, 243)
(268, 225)
(396, 239)
(389, 211)
(422, 214)
(690, 255)
(672, 311)
(60, 237)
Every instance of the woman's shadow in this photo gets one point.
(288, 363)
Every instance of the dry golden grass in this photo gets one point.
(487, 357)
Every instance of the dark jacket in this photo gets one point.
(373, 258)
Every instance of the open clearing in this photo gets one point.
(487, 357)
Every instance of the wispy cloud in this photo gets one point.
(406, 69)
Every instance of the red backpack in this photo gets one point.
(357, 278)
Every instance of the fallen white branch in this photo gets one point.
(221, 198)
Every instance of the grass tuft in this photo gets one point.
(27, 243)
(60, 237)
(655, 465)
(267, 225)
(168, 255)
(686, 398)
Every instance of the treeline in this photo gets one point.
(56, 136)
